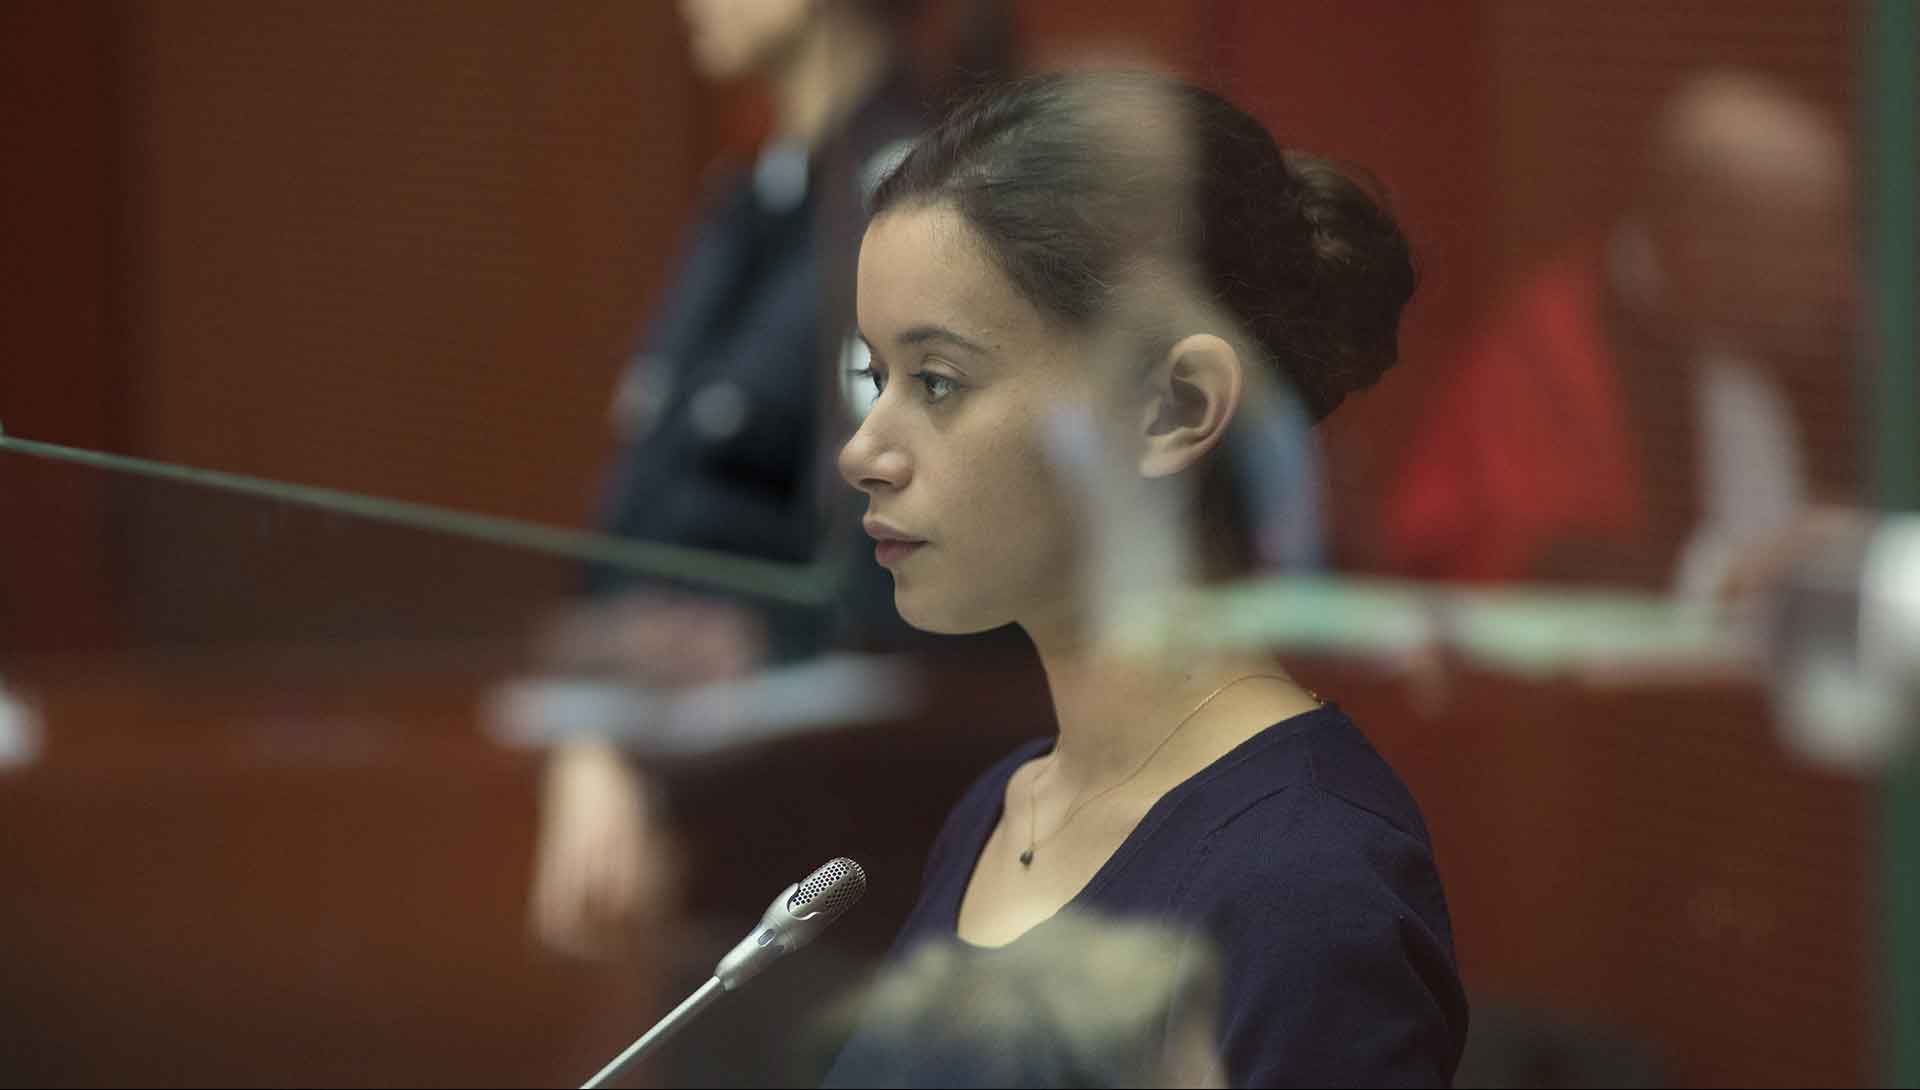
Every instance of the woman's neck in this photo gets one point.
(836, 63)
(1115, 708)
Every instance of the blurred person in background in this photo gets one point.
(1075, 292)
(1631, 416)
(728, 414)
(723, 414)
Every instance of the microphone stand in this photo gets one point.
(661, 1030)
(799, 913)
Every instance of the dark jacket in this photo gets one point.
(731, 410)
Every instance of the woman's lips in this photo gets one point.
(889, 553)
(891, 546)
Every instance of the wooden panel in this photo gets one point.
(311, 868)
(61, 332)
(1575, 86)
(213, 879)
(1072, 32)
(401, 248)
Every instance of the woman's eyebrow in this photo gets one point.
(925, 334)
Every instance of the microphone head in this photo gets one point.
(795, 918)
(828, 891)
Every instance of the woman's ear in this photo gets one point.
(1192, 395)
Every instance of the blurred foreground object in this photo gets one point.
(1102, 1003)
(713, 719)
(20, 730)
(1847, 645)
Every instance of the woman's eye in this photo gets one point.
(938, 386)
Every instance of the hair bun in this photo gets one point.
(1344, 333)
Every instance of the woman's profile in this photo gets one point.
(1078, 290)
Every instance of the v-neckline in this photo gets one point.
(1136, 837)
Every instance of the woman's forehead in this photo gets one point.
(922, 267)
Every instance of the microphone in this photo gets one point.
(795, 918)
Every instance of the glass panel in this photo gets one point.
(447, 617)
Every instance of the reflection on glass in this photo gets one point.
(276, 758)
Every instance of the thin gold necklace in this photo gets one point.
(1026, 857)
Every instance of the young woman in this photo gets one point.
(1120, 267)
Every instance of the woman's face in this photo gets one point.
(954, 454)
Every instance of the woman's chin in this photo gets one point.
(942, 618)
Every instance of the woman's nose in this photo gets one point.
(872, 463)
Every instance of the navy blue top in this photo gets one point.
(1302, 856)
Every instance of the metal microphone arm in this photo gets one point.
(796, 916)
(661, 1030)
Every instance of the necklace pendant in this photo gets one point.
(1026, 858)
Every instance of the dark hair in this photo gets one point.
(1071, 178)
